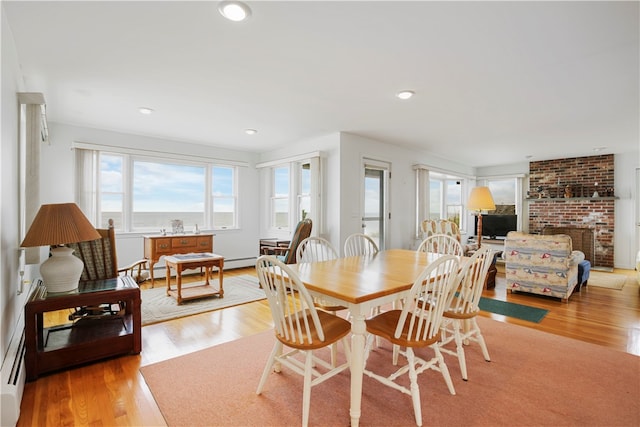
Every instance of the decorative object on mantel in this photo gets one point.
(480, 200)
(567, 192)
(56, 225)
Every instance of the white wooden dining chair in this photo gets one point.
(316, 249)
(459, 318)
(441, 244)
(300, 327)
(359, 244)
(417, 325)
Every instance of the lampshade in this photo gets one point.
(57, 224)
(481, 199)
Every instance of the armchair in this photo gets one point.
(541, 264)
(288, 255)
(442, 226)
(100, 261)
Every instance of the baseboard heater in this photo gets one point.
(13, 377)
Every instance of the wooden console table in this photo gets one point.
(87, 339)
(185, 262)
(158, 245)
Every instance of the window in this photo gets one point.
(507, 195)
(223, 197)
(164, 191)
(280, 197)
(445, 194)
(304, 194)
(145, 194)
(292, 192)
(504, 195)
(111, 194)
(453, 201)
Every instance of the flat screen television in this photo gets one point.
(497, 226)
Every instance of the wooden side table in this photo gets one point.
(188, 261)
(87, 339)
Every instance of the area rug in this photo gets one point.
(606, 280)
(158, 307)
(519, 311)
(533, 379)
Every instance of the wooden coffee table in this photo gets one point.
(196, 260)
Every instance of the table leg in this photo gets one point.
(179, 282)
(152, 262)
(220, 274)
(358, 329)
(168, 278)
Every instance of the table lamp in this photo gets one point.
(55, 225)
(480, 199)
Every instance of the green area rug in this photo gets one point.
(519, 311)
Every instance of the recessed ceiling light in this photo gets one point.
(405, 94)
(145, 110)
(250, 131)
(234, 10)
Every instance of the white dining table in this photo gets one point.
(361, 283)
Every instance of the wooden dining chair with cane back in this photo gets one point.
(417, 325)
(459, 317)
(300, 327)
(288, 255)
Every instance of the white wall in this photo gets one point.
(58, 162)
(11, 303)
(402, 203)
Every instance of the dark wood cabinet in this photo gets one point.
(84, 339)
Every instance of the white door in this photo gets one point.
(375, 212)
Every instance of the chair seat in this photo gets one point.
(384, 325)
(460, 313)
(335, 328)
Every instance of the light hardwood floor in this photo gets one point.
(114, 393)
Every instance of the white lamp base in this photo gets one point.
(62, 271)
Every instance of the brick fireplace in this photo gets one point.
(561, 194)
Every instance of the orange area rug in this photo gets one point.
(533, 379)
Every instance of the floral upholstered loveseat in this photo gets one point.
(541, 264)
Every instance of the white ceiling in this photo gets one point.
(494, 81)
